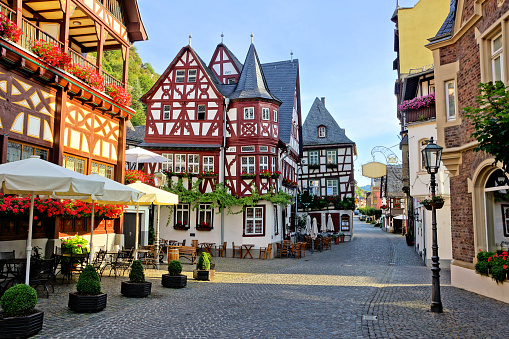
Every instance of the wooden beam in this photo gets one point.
(38, 73)
(17, 6)
(64, 31)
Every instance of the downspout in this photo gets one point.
(286, 153)
(222, 161)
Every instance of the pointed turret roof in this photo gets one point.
(252, 82)
(319, 116)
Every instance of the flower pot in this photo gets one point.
(336, 240)
(87, 303)
(428, 207)
(204, 275)
(438, 205)
(174, 281)
(135, 290)
(409, 240)
(342, 238)
(21, 327)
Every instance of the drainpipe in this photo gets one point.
(222, 161)
(286, 153)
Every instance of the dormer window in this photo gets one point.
(322, 132)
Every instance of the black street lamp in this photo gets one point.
(431, 156)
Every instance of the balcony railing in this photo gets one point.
(109, 79)
(77, 58)
(421, 114)
(33, 33)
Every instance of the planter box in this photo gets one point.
(174, 281)
(21, 327)
(204, 275)
(181, 228)
(87, 303)
(135, 290)
(203, 228)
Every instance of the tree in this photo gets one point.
(491, 121)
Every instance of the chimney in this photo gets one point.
(323, 100)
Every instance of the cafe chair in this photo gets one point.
(281, 250)
(302, 249)
(266, 251)
(221, 250)
(43, 271)
(236, 249)
(295, 250)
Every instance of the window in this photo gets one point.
(314, 159)
(273, 150)
(264, 163)
(208, 164)
(204, 214)
(191, 75)
(247, 149)
(265, 113)
(180, 76)
(168, 165)
(314, 187)
(201, 112)
(193, 163)
(322, 132)
(248, 113)
(273, 164)
(17, 151)
(180, 163)
(247, 165)
(231, 81)
(497, 66)
(166, 112)
(450, 100)
(422, 145)
(253, 221)
(264, 148)
(74, 164)
(275, 115)
(182, 214)
(331, 157)
(332, 187)
(102, 169)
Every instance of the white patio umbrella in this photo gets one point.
(314, 231)
(308, 224)
(154, 196)
(323, 224)
(34, 176)
(330, 224)
(141, 155)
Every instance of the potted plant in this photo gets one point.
(335, 237)
(275, 174)
(437, 201)
(341, 236)
(427, 204)
(409, 237)
(19, 318)
(248, 175)
(88, 298)
(204, 269)
(136, 287)
(174, 278)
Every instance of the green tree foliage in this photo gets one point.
(491, 121)
(141, 78)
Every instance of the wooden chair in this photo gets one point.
(281, 250)
(267, 252)
(302, 249)
(327, 243)
(221, 249)
(309, 242)
(236, 249)
(295, 250)
(194, 243)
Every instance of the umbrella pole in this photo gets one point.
(156, 254)
(92, 221)
(136, 233)
(29, 240)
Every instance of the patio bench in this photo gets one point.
(188, 252)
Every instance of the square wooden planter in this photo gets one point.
(174, 281)
(21, 327)
(204, 275)
(87, 303)
(135, 290)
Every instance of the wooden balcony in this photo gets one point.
(421, 114)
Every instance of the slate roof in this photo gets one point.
(319, 115)
(448, 25)
(282, 79)
(136, 134)
(252, 83)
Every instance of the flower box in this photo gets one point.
(174, 281)
(88, 75)
(204, 227)
(87, 303)
(119, 95)
(248, 175)
(332, 166)
(314, 166)
(181, 227)
(8, 29)
(50, 53)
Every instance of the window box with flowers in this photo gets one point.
(332, 166)
(495, 264)
(265, 174)
(248, 175)
(184, 174)
(8, 29)
(289, 183)
(119, 95)
(314, 166)
(180, 226)
(204, 226)
(384, 207)
(275, 175)
(88, 75)
(207, 174)
(132, 176)
(50, 53)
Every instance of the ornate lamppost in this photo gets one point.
(431, 155)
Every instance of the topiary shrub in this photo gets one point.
(136, 275)
(174, 267)
(88, 282)
(18, 301)
(204, 261)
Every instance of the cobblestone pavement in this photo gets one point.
(324, 295)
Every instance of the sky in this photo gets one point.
(345, 51)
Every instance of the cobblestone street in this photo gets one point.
(324, 295)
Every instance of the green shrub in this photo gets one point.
(19, 300)
(136, 275)
(204, 261)
(482, 267)
(498, 274)
(88, 282)
(483, 255)
(174, 267)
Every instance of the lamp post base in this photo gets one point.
(436, 307)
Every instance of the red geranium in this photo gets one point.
(50, 53)
(119, 94)
(88, 75)
(9, 29)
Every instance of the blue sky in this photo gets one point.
(345, 51)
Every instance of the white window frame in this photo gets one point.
(422, 145)
(264, 162)
(497, 54)
(273, 164)
(264, 148)
(205, 213)
(204, 112)
(180, 78)
(313, 188)
(248, 113)
(208, 163)
(190, 77)
(166, 112)
(332, 155)
(275, 115)
(193, 163)
(168, 165)
(265, 113)
(249, 166)
(180, 211)
(180, 163)
(322, 132)
(332, 186)
(450, 115)
(253, 219)
(314, 157)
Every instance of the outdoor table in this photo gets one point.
(248, 248)
(207, 246)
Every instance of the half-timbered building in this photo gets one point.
(227, 122)
(328, 164)
(46, 111)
